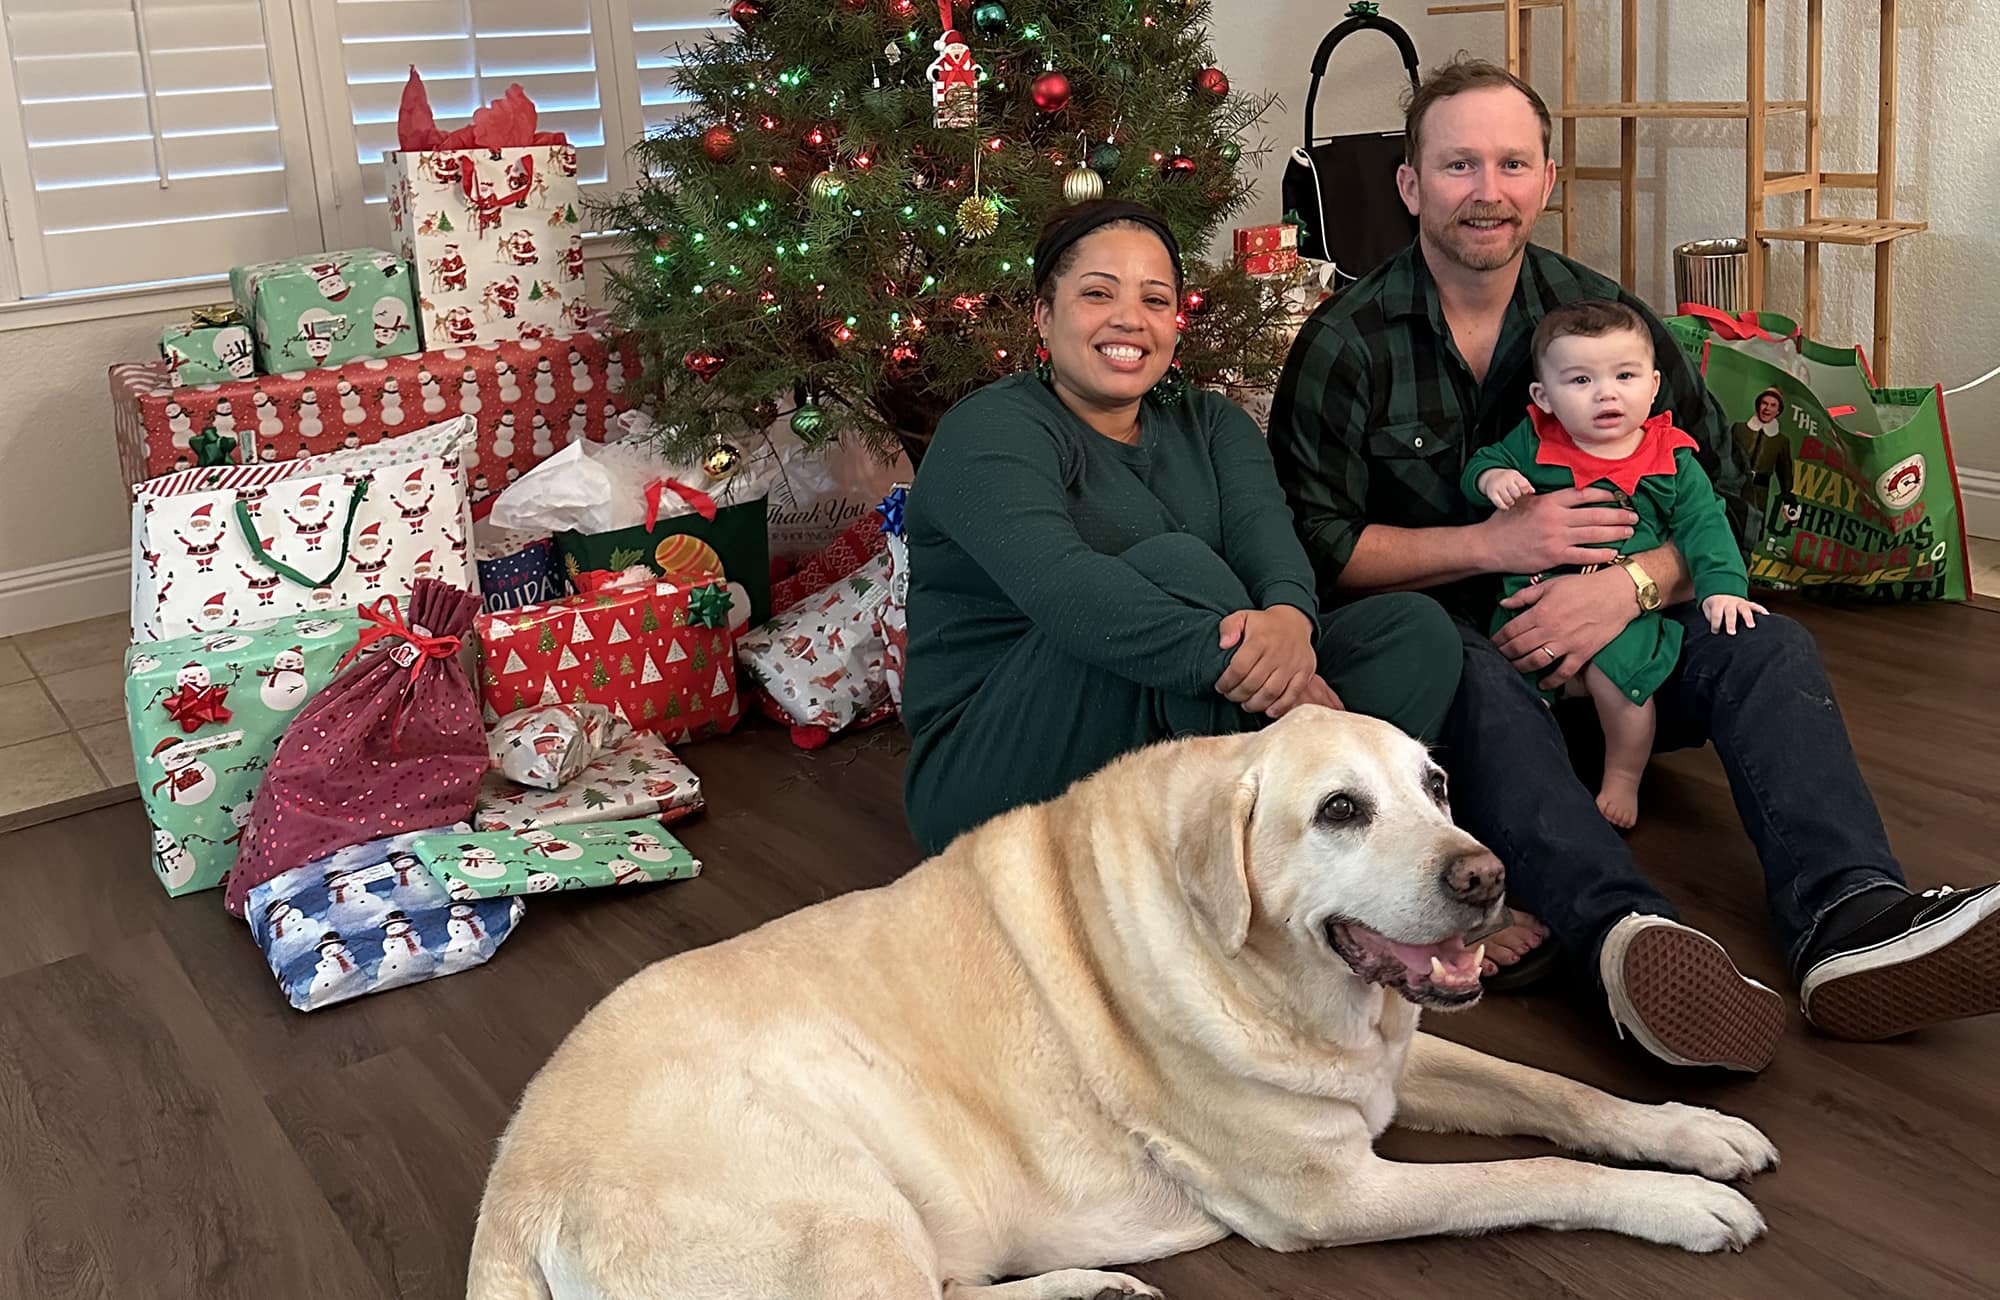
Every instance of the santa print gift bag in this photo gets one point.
(394, 744)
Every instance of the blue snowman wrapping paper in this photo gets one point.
(369, 918)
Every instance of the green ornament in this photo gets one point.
(1229, 151)
(1104, 159)
(807, 421)
(989, 18)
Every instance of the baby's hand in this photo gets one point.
(1723, 611)
(1503, 487)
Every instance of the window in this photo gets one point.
(166, 140)
(155, 142)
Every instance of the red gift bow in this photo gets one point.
(702, 503)
(196, 706)
(1738, 327)
(389, 622)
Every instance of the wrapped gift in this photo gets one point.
(530, 398)
(622, 504)
(547, 746)
(369, 918)
(822, 661)
(637, 777)
(658, 654)
(498, 864)
(516, 569)
(817, 493)
(1283, 261)
(392, 744)
(894, 618)
(212, 348)
(234, 544)
(205, 713)
(1266, 239)
(496, 236)
(327, 308)
(858, 543)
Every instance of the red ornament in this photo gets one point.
(902, 8)
(719, 143)
(903, 358)
(1178, 168)
(1051, 92)
(746, 13)
(704, 364)
(1212, 82)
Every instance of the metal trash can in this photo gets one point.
(1712, 272)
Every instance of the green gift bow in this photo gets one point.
(211, 448)
(708, 606)
(1363, 9)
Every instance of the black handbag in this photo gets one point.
(1343, 188)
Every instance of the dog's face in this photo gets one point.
(1349, 858)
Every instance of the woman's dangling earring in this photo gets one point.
(1045, 369)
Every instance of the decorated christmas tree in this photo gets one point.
(841, 225)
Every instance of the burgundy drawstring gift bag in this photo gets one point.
(393, 744)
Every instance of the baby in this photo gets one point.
(1589, 427)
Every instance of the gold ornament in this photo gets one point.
(722, 460)
(826, 187)
(978, 217)
(1083, 185)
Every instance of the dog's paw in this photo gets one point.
(1119, 1287)
(1692, 1213)
(1705, 1142)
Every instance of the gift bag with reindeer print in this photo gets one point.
(496, 240)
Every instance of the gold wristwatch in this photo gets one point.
(1649, 591)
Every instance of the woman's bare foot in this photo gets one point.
(1513, 943)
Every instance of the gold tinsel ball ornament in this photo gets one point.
(1082, 185)
(722, 460)
(978, 217)
(826, 187)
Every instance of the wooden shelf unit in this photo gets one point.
(1760, 186)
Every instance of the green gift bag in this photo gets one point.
(739, 536)
(1856, 484)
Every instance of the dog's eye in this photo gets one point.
(1337, 808)
(1437, 786)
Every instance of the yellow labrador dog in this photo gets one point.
(1178, 1002)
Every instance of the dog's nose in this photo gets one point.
(1475, 878)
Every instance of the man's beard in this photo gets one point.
(1451, 239)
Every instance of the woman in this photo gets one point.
(1097, 563)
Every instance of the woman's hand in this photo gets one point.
(1273, 660)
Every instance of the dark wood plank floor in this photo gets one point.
(168, 1127)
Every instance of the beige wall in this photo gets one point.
(60, 495)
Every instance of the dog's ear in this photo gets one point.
(1215, 868)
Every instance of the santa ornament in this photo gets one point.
(954, 77)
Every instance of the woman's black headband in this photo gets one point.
(1057, 240)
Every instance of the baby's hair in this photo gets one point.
(1590, 319)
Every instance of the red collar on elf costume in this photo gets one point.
(1653, 455)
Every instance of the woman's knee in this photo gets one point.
(1402, 656)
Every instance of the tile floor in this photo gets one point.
(63, 743)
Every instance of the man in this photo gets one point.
(1388, 391)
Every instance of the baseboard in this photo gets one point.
(1980, 490)
(69, 591)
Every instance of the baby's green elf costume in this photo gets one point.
(1670, 492)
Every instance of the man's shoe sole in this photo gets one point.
(1689, 1005)
(1947, 972)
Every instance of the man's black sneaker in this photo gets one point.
(1925, 958)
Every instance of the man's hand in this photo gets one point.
(1274, 657)
(1551, 530)
(1565, 621)
(1503, 487)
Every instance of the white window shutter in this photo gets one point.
(657, 26)
(155, 138)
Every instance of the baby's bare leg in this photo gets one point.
(1628, 744)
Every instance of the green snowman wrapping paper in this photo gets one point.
(206, 712)
(494, 864)
(327, 308)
